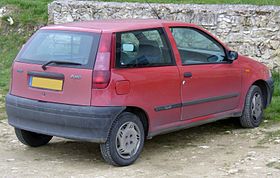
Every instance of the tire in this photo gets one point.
(125, 141)
(32, 139)
(253, 109)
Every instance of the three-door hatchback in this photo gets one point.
(118, 82)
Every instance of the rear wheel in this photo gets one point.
(253, 109)
(125, 141)
(32, 139)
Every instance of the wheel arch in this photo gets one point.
(265, 90)
(142, 114)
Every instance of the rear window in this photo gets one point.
(53, 45)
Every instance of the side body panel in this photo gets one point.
(252, 71)
(148, 88)
(213, 88)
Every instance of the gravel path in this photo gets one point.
(220, 149)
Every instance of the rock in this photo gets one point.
(227, 132)
(257, 168)
(233, 171)
(273, 160)
(3, 11)
(204, 147)
(10, 160)
(251, 153)
(252, 30)
(10, 20)
(274, 44)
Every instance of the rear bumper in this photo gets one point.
(74, 122)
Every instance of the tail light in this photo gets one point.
(101, 73)
(11, 79)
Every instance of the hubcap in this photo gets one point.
(256, 106)
(128, 140)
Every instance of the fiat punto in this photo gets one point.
(119, 82)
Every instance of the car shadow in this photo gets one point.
(72, 151)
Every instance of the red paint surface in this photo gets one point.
(122, 87)
(75, 91)
(150, 87)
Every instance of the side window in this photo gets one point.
(195, 47)
(142, 48)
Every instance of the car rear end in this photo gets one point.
(52, 81)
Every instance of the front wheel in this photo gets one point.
(31, 138)
(125, 141)
(253, 109)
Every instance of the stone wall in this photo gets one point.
(251, 30)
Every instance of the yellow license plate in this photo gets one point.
(46, 83)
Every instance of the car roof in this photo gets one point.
(116, 25)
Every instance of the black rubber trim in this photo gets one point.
(46, 75)
(194, 102)
(192, 124)
(187, 74)
(167, 107)
(90, 123)
(216, 98)
(270, 83)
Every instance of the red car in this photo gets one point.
(118, 82)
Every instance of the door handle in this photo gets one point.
(187, 74)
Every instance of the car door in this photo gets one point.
(145, 62)
(210, 83)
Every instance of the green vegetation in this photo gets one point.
(256, 2)
(27, 15)
(29, 12)
(273, 111)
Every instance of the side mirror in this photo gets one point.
(232, 55)
(128, 47)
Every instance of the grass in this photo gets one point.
(27, 16)
(273, 111)
(30, 12)
(256, 2)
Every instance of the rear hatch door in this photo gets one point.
(56, 66)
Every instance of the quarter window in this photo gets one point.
(143, 48)
(196, 47)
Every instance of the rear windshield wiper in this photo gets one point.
(44, 66)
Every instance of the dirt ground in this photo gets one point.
(220, 149)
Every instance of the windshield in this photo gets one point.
(67, 46)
